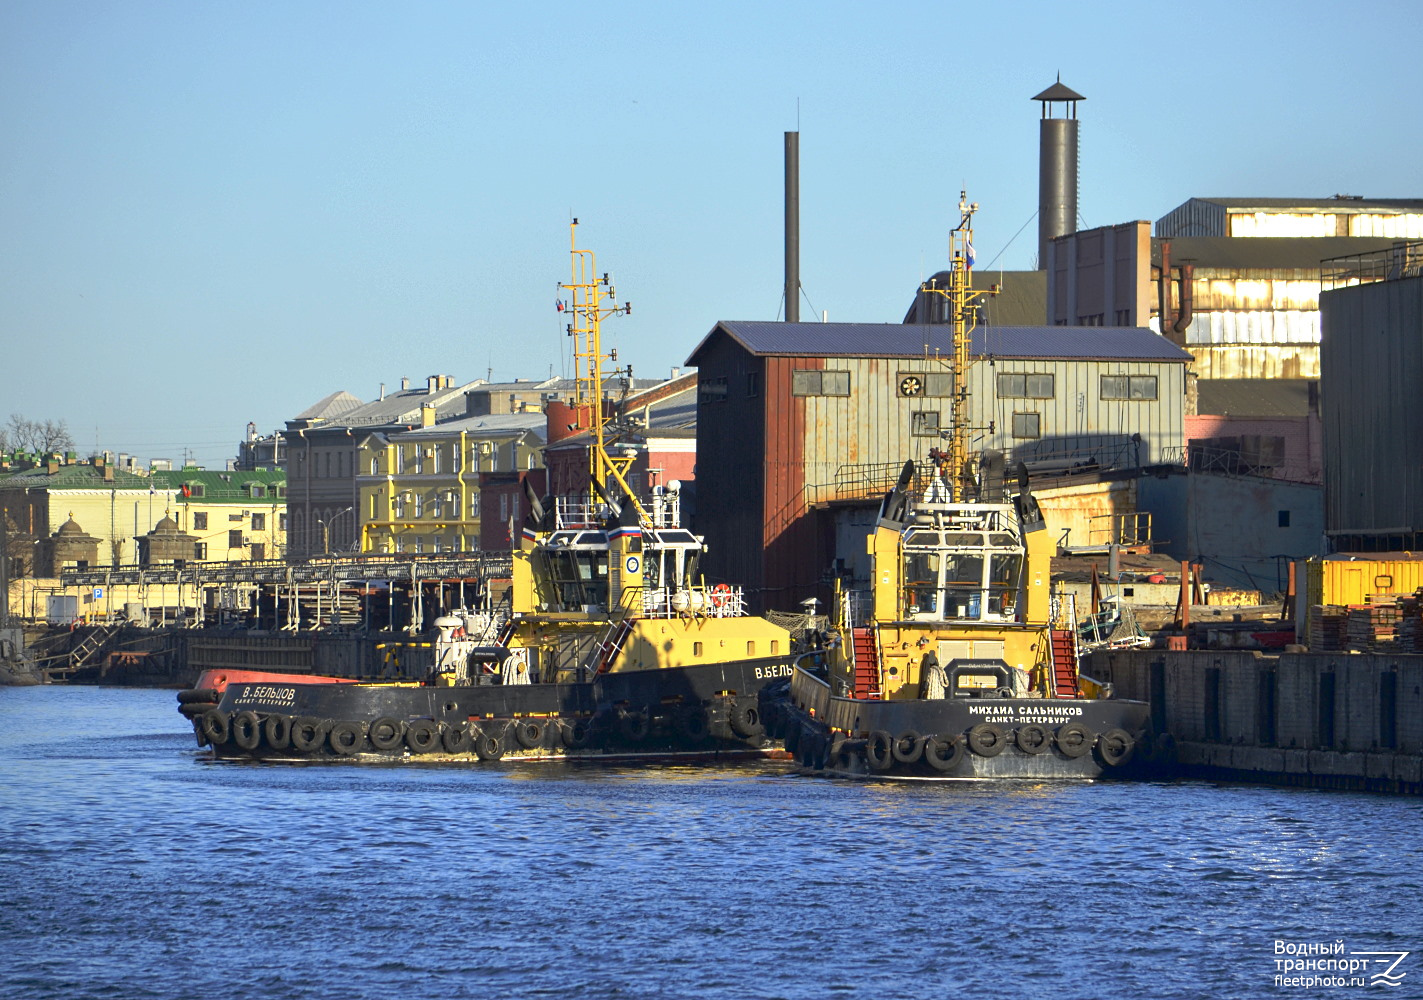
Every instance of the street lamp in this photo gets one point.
(326, 529)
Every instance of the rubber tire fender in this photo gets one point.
(793, 734)
(1034, 739)
(879, 751)
(633, 726)
(456, 738)
(422, 736)
(345, 738)
(529, 733)
(908, 747)
(1115, 747)
(943, 753)
(308, 734)
(987, 740)
(745, 721)
(574, 735)
(277, 731)
(194, 710)
(216, 726)
(385, 733)
(198, 694)
(487, 746)
(1075, 740)
(246, 730)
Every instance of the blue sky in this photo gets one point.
(212, 213)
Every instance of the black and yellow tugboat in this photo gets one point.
(955, 668)
(615, 645)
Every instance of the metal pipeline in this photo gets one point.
(1187, 274)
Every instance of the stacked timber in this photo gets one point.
(1328, 628)
(1410, 624)
(1372, 627)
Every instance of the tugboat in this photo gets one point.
(614, 645)
(955, 668)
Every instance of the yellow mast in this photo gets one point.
(591, 300)
(963, 314)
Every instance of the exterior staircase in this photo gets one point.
(866, 658)
(1064, 664)
(611, 645)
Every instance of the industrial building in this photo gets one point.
(794, 418)
(1372, 357)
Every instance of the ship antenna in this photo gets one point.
(592, 299)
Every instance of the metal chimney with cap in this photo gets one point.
(1057, 167)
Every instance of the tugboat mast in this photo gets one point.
(962, 301)
(592, 299)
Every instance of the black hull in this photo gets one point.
(957, 738)
(700, 712)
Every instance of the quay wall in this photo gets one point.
(1334, 720)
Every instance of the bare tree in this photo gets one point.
(41, 436)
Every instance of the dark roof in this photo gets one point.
(1254, 397)
(1058, 92)
(895, 340)
(1021, 300)
(1265, 252)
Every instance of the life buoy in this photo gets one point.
(745, 721)
(385, 733)
(943, 753)
(215, 726)
(529, 733)
(986, 740)
(307, 733)
(1033, 739)
(1115, 747)
(345, 738)
(422, 736)
(487, 746)
(720, 596)
(456, 738)
(908, 747)
(246, 730)
(1075, 739)
(277, 731)
(879, 751)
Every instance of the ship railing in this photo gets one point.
(662, 510)
(716, 601)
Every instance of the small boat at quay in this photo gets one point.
(952, 665)
(613, 644)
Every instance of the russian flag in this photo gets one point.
(558, 304)
(968, 251)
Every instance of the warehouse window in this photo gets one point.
(1026, 385)
(1027, 425)
(926, 423)
(753, 384)
(1128, 387)
(711, 390)
(810, 382)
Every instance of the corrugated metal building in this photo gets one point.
(1372, 407)
(1342, 215)
(799, 416)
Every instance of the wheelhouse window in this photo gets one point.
(1128, 387)
(812, 382)
(962, 575)
(1026, 385)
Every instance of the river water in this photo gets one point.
(131, 867)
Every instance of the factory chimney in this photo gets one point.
(792, 227)
(1057, 166)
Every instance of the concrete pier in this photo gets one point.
(1329, 720)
